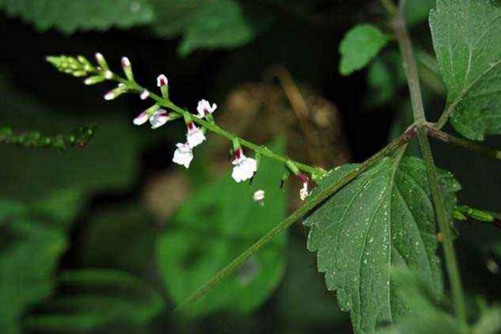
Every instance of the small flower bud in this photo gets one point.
(94, 80)
(101, 61)
(127, 68)
(259, 196)
(163, 83)
(108, 75)
(114, 93)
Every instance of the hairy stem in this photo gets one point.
(448, 138)
(409, 61)
(311, 204)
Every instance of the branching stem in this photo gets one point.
(448, 138)
(310, 205)
(409, 61)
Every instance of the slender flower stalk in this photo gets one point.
(82, 67)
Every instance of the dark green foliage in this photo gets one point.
(383, 219)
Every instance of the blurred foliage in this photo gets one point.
(80, 14)
(214, 226)
(29, 252)
(89, 299)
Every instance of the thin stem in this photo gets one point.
(448, 138)
(438, 201)
(444, 226)
(311, 204)
(316, 172)
(410, 66)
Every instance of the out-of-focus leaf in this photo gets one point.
(416, 11)
(219, 24)
(466, 41)
(70, 16)
(109, 162)
(359, 46)
(92, 298)
(382, 83)
(384, 218)
(489, 322)
(311, 305)
(213, 227)
(172, 17)
(120, 237)
(29, 251)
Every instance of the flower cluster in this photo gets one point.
(197, 124)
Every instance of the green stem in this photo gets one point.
(312, 203)
(448, 138)
(315, 172)
(444, 226)
(438, 202)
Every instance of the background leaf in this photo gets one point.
(70, 16)
(25, 240)
(214, 226)
(92, 298)
(382, 219)
(219, 24)
(466, 40)
(359, 46)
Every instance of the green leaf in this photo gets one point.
(29, 251)
(384, 218)
(426, 313)
(214, 226)
(94, 298)
(466, 40)
(359, 46)
(172, 17)
(70, 16)
(382, 82)
(218, 24)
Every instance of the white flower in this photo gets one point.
(204, 108)
(141, 118)
(244, 168)
(162, 81)
(259, 196)
(183, 155)
(303, 192)
(195, 136)
(159, 118)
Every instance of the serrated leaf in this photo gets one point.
(466, 40)
(29, 251)
(93, 298)
(218, 24)
(214, 226)
(359, 46)
(384, 218)
(70, 16)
